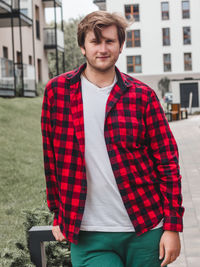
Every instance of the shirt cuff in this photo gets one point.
(173, 224)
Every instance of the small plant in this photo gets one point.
(57, 253)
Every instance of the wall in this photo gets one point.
(151, 49)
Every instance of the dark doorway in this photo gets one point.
(185, 90)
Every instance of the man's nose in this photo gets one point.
(103, 47)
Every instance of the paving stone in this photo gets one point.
(193, 261)
(189, 151)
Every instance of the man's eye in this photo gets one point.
(109, 41)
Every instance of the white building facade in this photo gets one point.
(163, 41)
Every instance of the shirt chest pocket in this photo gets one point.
(128, 129)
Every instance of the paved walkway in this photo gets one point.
(187, 134)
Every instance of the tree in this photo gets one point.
(73, 55)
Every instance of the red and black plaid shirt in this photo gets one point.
(141, 148)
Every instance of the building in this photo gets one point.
(162, 42)
(25, 43)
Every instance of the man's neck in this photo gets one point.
(100, 79)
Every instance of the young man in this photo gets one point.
(111, 161)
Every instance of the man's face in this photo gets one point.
(102, 56)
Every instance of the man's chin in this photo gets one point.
(104, 68)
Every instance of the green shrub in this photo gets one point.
(57, 253)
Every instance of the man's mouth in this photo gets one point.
(103, 57)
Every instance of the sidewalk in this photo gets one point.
(187, 134)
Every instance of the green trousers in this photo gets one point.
(118, 249)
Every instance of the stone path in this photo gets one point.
(187, 134)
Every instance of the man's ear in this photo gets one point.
(83, 50)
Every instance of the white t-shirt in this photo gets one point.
(104, 208)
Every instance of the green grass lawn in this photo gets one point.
(22, 182)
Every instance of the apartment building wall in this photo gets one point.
(40, 52)
(28, 43)
(152, 49)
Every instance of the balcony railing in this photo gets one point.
(5, 6)
(8, 2)
(50, 3)
(6, 74)
(24, 6)
(20, 83)
(16, 9)
(29, 77)
(50, 39)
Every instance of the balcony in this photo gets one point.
(101, 4)
(7, 83)
(29, 79)
(5, 6)
(50, 40)
(15, 9)
(50, 3)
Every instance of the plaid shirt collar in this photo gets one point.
(123, 81)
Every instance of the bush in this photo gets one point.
(58, 254)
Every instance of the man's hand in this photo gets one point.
(170, 247)
(57, 233)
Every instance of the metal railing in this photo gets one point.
(8, 2)
(50, 3)
(50, 37)
(29, 76)
(6, 74)
(24, 6)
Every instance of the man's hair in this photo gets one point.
(97, 20)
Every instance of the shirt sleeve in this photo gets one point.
(48, 152)
(164, 152)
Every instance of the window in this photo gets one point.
(186, 35)
(132, 11)
(185, 10)
(19, 57)
(133, 38)
(167, 62)
(187, 61)
(166, 36)
(134, 64)
(5, 52)
(30, 60)
(6, 68)
(37, 22)
(165, 10)
(6, 65)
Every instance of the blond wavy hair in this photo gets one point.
(97, 20)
